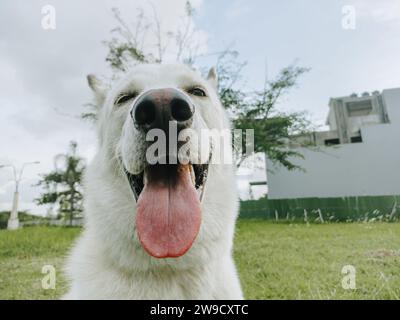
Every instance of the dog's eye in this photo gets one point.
(125, 97)
(196, 91)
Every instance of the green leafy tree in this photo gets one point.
(63, 185)
(274, 131)
(258, 109)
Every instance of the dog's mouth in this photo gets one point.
(168, 209)
(198, 175)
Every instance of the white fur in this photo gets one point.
(108, 261)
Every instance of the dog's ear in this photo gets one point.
(98, 88)
(213, 77)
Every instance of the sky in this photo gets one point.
(43, 86)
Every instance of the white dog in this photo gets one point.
(155, 231)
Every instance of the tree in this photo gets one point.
(63, 185)
(273, 130)
(129, 46)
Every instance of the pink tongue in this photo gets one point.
(168, 217)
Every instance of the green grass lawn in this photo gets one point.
(275, 261)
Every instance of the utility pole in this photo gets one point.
(13, 221)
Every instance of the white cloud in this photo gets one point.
(382, 11)
(237, 8)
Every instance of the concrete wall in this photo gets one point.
(370, 168)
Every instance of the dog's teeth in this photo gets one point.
(144, 177)
(192, 175)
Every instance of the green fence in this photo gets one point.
(325, 209)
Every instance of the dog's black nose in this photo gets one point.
(156, 107)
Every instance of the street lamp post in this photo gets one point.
(13, 221)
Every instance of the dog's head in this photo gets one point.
(154, 129)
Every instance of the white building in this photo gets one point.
(363, 161)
